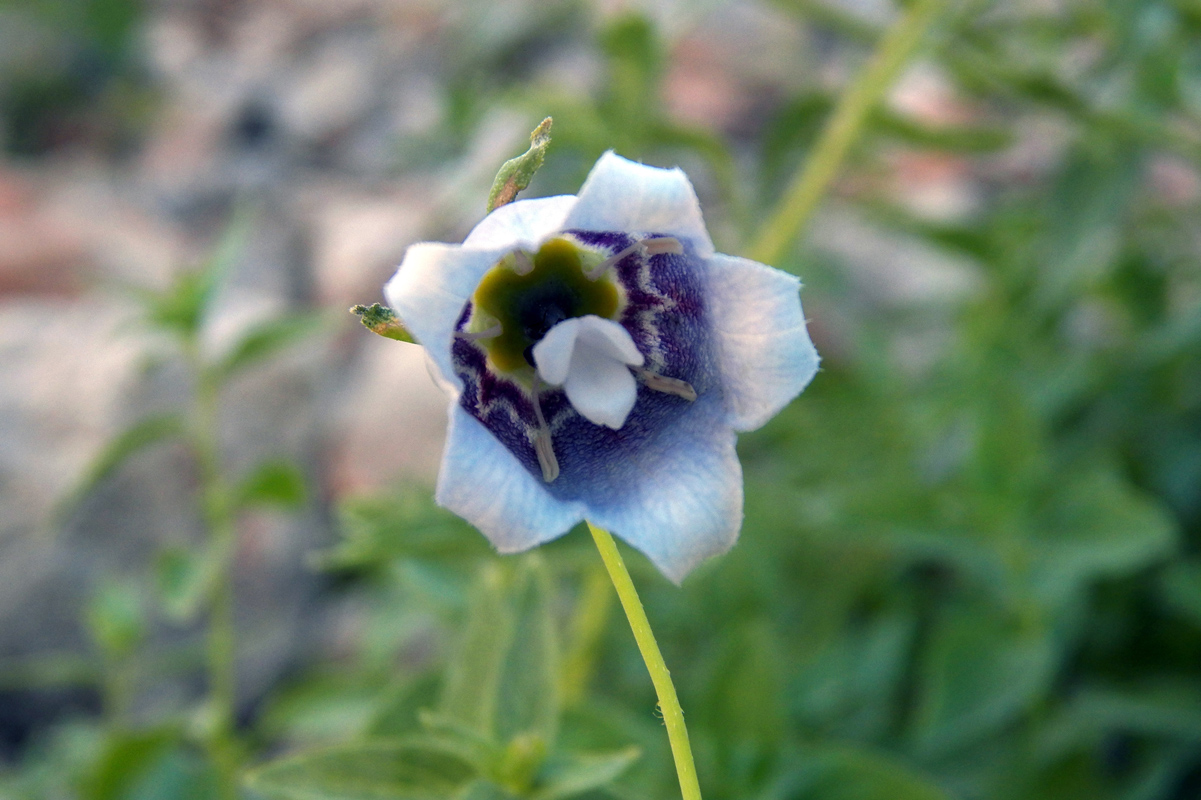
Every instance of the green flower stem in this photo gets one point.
(809, 184)
(669, 704)
(219, 519)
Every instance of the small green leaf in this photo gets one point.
(476, 747)
(382, 321)
(746, 685)
(274, 483)
(116, 617)
(982, 669)
(266, 339)
(529, 681)
(1166, 709)
(483, 790)
(185, 579)
(960, 139)
(1097, 526)
(405, 524)
(520, 762)
(398, 712)
(126, 758)
(516, 173)
(182, 306)
(472, 684)
(133, 440)
(322, 708)
(861, 774)
(407, 769)
(503, 683)
(1180, 589)
(584, 772)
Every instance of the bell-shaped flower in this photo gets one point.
(601, 357)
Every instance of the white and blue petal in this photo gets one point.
(435, 280)
(684, 505)
(621, 195)
(429, 292)
(480, 481)
(764, 352)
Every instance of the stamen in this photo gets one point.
(490, 333)
(543, 446)
(522, 263)
(651, 247)
(662, 244)
(546, 455)
(661, 383)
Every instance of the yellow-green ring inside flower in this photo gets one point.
(528, 305)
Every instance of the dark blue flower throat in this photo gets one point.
(658, 299)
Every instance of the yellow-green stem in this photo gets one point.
(809, 184)
(669, 704)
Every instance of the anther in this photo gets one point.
(490, 333)
(662, 244)
(543, 446)
(661, 383)
(651, 247)
(522, 263)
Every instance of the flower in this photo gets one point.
(601, 357)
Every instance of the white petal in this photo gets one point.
(482, 482)
(429, 291)
(620, 195)
(609, 338)
(553, 353)
(589, 357)
(524, 222)
(764, 352)
(600, 388)
(689, 506)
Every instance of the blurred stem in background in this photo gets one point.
(221, 526)
(858, 100)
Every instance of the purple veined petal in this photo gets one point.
(525, 222)
(687, 504)
(764, 352)
(481, 481)
(430, 289)
(621, 195)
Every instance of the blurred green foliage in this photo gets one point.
(70, 76)
(976, 576)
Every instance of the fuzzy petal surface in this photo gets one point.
(524, 222)
(764, 351)
(480, 481)
(621, 195)
(686, 505)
